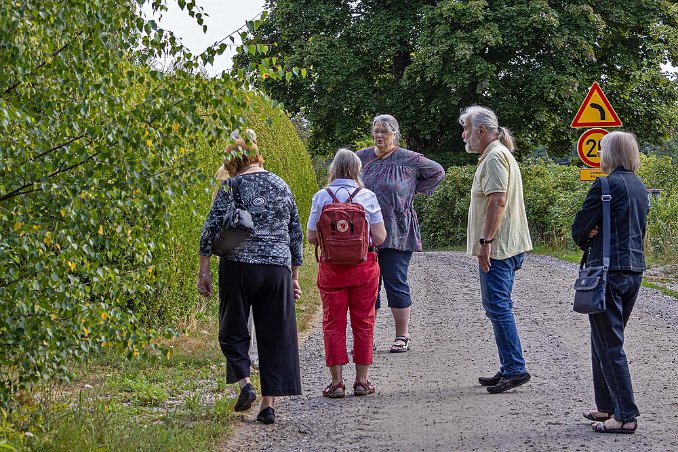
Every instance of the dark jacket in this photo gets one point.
(628, 217)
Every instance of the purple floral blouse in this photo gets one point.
(395, 180)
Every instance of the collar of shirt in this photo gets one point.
(344, 183)
(488, 149)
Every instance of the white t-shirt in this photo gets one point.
(364, 197)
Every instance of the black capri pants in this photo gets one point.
(268, 290)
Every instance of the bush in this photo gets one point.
(176, 299)
(553, 195)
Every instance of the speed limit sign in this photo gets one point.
(589, 145)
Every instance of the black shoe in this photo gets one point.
(506, 383)
(266, 416)
(490, 381)
(247, 396)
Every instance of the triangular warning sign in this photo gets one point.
(596, 111)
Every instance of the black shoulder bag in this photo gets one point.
(237, 225)
(589, 296)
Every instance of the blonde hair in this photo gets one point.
(346, 165)
(234, 163)
(619, 149)
(483, 116)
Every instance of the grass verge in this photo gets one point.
(176, 404)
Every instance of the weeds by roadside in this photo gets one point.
(175, 404)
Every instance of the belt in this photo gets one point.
(371, 249)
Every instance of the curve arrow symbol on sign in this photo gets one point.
(600, 109)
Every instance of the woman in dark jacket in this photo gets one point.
(616, 410)
(261, 273)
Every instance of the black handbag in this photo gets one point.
(237, 225)
(589, 295)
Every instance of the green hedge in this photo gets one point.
(176, 301)
(553, 195)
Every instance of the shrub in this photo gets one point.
(176, 298)
(553, 195)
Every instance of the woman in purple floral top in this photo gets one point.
(395, 175)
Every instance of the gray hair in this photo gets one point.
(390, 123)
(346, 165)
(619, 149)
(483, 116)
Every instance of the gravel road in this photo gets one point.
(429, 399)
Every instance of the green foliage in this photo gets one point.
(443, 219)
(553, 195)
(662, 226)
(93, 143)
(177, 299)
(530, 61)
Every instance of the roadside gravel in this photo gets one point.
(429, 399)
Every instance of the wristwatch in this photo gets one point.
(484, 241)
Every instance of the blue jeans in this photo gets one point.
(611, 377)
(393, 265)
(495, 287)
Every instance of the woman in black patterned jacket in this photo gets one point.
(262, 273)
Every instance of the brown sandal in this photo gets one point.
(335, 391)
(363, 388)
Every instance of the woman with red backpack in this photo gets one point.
(346, 223)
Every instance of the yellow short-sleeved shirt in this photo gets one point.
(498, 172)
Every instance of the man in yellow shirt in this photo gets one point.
(498, 235)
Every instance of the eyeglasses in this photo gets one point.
(381, 132)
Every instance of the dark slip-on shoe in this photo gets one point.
(506, 383)
(246, 398)
(490, 381)
(266, 416)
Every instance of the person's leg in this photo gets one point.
(332, 283)
(361, 372)
(496, 286)
(361, 309)
(604, 404)
(233, 336)
(607, 330)
(254, 352)
(394, 265)
(274, 318)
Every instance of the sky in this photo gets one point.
(224, 17)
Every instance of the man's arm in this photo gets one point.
(496, 204)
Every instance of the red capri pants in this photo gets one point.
(351, 288)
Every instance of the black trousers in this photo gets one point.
(268, 290)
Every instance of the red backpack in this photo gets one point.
(342, 232)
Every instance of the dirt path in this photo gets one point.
(428, 398)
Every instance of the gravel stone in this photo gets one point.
(428, 398)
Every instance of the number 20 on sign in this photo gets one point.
(589, 145)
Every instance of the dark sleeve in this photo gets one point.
(429, 175)
(221, 209)
(589, 216)
(296, 236)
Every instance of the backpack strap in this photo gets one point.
(334, 198)
(352, 195)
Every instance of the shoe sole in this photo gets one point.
(507, 389)
(246, 405)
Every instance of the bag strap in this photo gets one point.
(350, 195)
(606, 198)
(235, 186)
